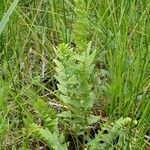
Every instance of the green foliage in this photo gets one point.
(113, 136)
(74, 76)
(36, 113)
(53, 139)
(47, 115)
(81, 26)
(6, 17)
(48, 133)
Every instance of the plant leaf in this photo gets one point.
(7, 15)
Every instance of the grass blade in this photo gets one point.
(5, 18)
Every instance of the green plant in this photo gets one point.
(49, 131)
(113, 136)
(81, 26)
(6, 17)
(73, 72)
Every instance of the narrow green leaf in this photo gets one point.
(7, 15)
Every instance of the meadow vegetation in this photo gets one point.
(74, 74)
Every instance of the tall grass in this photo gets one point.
(107, 107)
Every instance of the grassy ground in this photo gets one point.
(74, 74)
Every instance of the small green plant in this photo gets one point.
(52, 139)
(113, 136)
(48, 132)
(73, 72)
